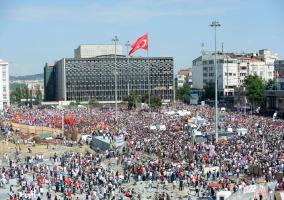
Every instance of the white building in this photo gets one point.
(93, 50)
(184, 76)
(232, 69)
(4, 84)
(275, 95)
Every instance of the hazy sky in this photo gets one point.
(34, 32)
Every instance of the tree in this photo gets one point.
(270, 84)
(16, 95)
(38, 95)
(72, 103)
(255, 90)
(155, 101)
(183, 93)
(93, 102)
(209, 91)
(25, 93)
(76, 103)
(132, 100)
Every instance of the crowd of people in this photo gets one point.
(165, 158)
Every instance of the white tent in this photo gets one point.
(169, 112)
(183, 113)
(242, 131)
(162, 127)
(223, 195)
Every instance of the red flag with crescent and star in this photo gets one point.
(141, 43)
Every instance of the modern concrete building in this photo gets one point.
(275, 95)
(232, 68)
(49, 82)
(4, 84)
(85, 78)
(184, 76)
(94, 50)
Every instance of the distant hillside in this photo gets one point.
(27, 77)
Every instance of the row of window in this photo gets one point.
(110, 95)
(210, 74)
(230, 74)
(219, 61)
(206, 68)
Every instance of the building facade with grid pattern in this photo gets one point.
(87, 78)
(4, 84)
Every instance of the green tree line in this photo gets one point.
(24, 93)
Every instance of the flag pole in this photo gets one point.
(115, 40)
(149, 84)
(127, 46)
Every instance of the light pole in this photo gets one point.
(115, 40)
(127, 46)
(216, 24)
(62, 122)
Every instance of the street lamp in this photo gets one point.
(127, 45)
(115, 40)
(216, 24)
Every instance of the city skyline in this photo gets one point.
(34, 33)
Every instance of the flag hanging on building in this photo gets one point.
(141, 43)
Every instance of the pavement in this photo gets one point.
(140, 187)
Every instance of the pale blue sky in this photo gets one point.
(33, 32)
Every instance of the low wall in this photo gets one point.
(37, 130)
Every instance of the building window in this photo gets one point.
(211, 61)
(211, 74)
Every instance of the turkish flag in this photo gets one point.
(141, 43)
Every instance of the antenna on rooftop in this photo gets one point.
(202, 48)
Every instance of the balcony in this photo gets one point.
(274, 93)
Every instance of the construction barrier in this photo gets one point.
(36, 130)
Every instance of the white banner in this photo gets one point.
(249, 189)
(119, 140)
